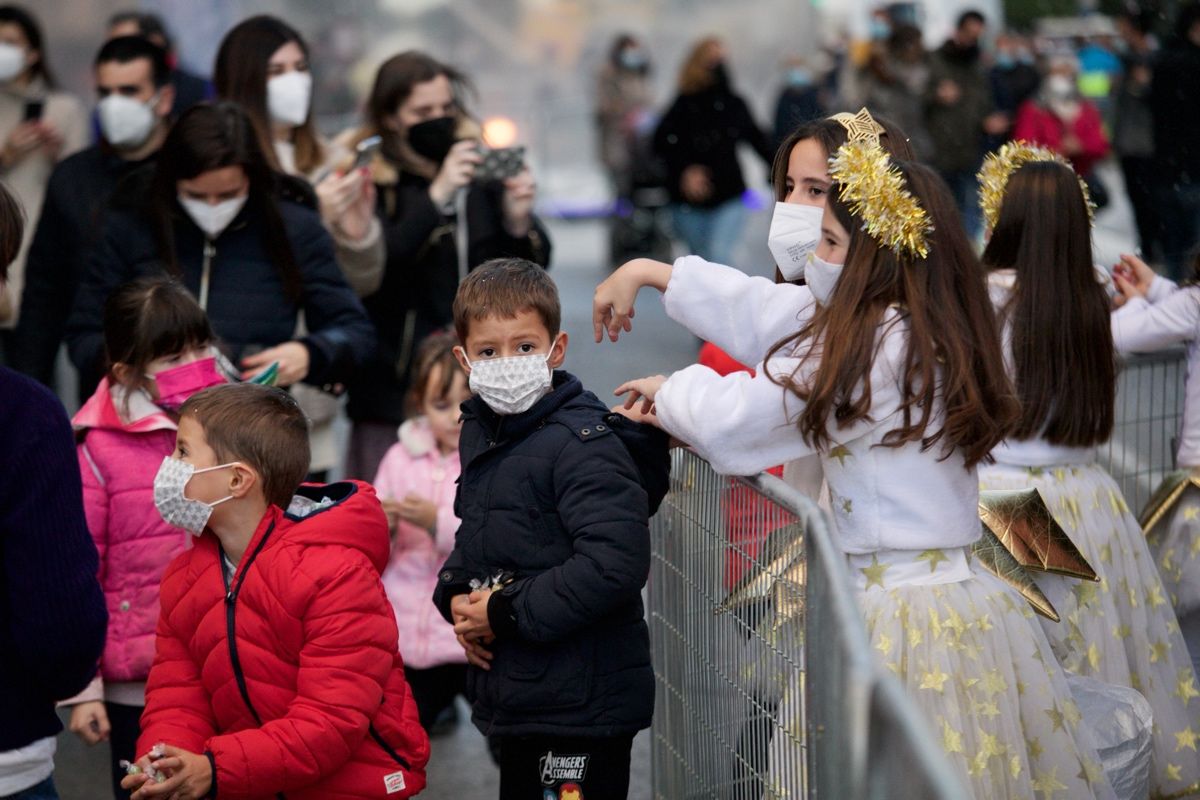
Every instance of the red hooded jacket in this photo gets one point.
(289, 676)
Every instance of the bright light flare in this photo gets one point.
(499, 132)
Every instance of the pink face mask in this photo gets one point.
(177, 384)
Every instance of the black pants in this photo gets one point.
(1140, 174)
(126, 727)
(435, 688)
(564, 768)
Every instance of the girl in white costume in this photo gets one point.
(893, 377)
(1054, 317)
(1155, 314)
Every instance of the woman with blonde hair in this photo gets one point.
(698, 139)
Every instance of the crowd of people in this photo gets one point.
(179, 575)
(1125, 93)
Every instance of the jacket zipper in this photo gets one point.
(231, 595)
(210, 251)
(387, 748)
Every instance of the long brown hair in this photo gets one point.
(696, 74)
(241, 76)
(952, 354)
(831, 135)
(394, 84)
(209, 137)
(1063, 359)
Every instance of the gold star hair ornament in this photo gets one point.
(999, 166)
(861, 126)
(874, 189)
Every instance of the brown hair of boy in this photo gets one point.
(952, 354)
(1062, 348)
(504, 287)
(437, 350)
(260, 426)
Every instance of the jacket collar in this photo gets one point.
(565, 387)
(105, 410)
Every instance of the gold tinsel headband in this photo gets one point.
(874, 189)
(998, 167)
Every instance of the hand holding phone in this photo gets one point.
(500, 163)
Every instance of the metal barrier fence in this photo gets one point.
(744, 573)
(1149, 409)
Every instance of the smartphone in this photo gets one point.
(500, 163)
(34, 109)
(365, 151)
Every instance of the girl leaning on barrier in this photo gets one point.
(1055, 330)
(1154, 314)
(893, 374)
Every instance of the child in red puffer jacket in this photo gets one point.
(158, 344)
(276, 669)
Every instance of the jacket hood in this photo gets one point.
(106, 410)
(649, 447)
(346, 513)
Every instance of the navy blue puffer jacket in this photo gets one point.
(247, 305)
(555, 499)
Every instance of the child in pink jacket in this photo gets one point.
(416, 483)
(158, 344)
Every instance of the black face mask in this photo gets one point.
(720, 74)
(433, 138)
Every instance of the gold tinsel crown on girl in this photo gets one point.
(998, 167)
(874, 189)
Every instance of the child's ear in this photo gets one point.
(242, 481)
(460, 355)
(122, 373)
(558, 351)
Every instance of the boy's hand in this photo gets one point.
(474, 626)
(477, 654)
(190, 776)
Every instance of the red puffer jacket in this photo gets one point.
(289, 676)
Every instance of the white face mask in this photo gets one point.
(126, 123)
(822, 277)
(1060, 87)
(288, 97)
(795, 231)
(212, 219)
(12, 61)
(511, 385)
(175, 508)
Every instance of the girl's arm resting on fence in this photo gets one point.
(1139, 327)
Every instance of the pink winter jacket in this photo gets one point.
(415, 465)
(118, 458)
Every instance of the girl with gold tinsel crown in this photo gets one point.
(894, 377)
(1054, 318)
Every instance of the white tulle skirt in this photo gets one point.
(1121, 630)
(966, 648)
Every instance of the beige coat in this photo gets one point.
(27, 178)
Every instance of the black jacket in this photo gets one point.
(52, 612)
(704, 129)
(1175, 104)
(247, 304)
(558, 500)
(420, 280)
(70, 224)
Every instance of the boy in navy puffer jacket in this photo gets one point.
(544, 582)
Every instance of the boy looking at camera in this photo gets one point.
(544, 583)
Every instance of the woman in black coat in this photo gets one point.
(245, 241)
(426, 184)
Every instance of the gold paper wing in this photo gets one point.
(1023, 523)
(1166, 496)
(995, 557)
(779, 581)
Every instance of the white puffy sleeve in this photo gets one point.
(1139, 327)
(741, 314)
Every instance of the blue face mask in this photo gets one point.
(880, 29)
(799, 78)
(633, 59)
(1005, 61)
